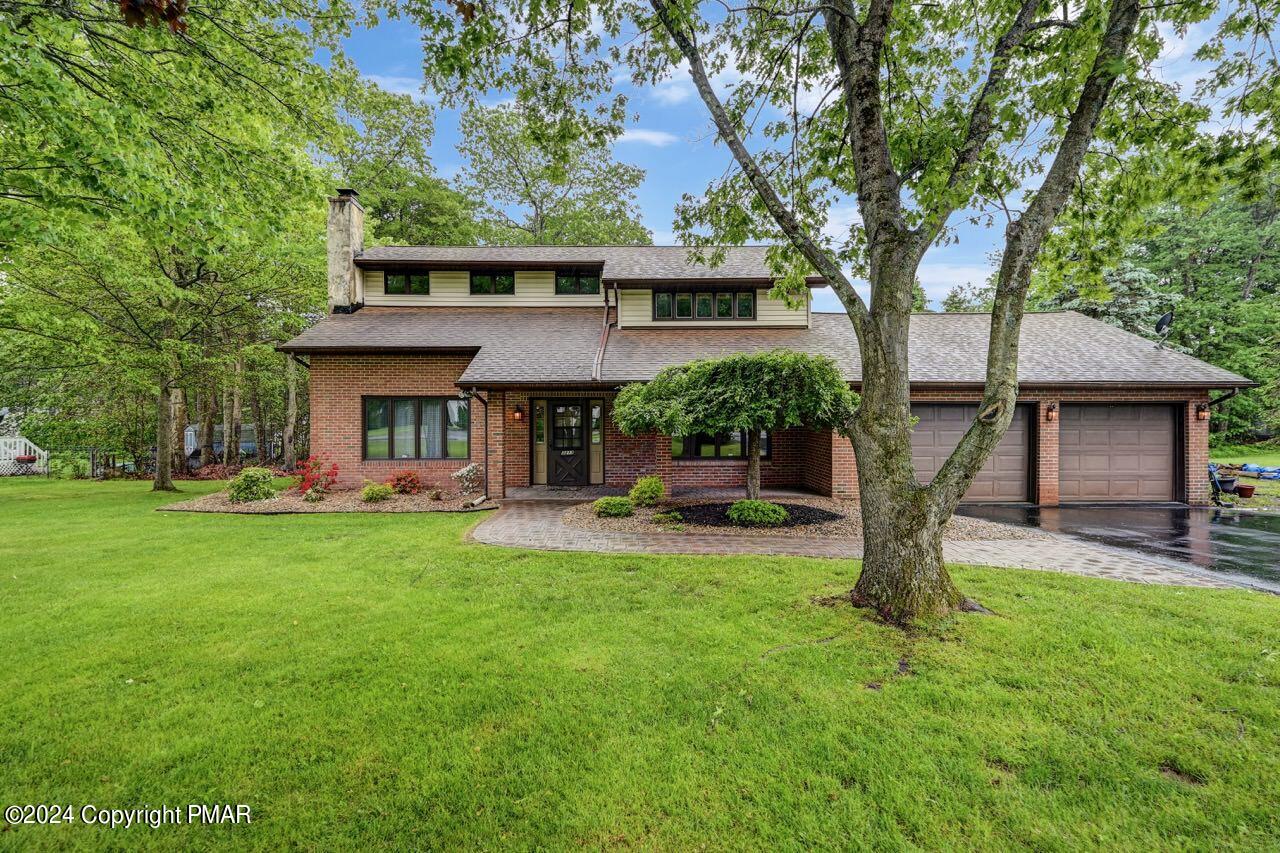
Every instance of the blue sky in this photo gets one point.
(673, 141)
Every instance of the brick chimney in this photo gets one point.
(346, 240)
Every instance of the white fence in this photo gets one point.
(13, 448)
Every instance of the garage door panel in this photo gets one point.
(941, 426)
(1116, 452)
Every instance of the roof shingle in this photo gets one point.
(559, 345)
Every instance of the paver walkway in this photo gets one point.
(538, 525)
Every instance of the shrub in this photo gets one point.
(405, 483)
(251, 484)
(434, 495)
(316, 479)
(648, 491)
(757, 514)
(468, 478)
(671, 517)
(374, 492)
(616, 507)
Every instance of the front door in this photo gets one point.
(568, 451)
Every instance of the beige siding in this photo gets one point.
(534, 288)
(637, 310)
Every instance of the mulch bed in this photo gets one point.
(344, 501)
(799, 515)
(816, 518)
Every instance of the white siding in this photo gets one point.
(534, 288)
(636, 309)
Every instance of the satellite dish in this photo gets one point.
(1162, 328)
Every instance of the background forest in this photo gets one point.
(163, 171)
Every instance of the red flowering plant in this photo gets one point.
(316, 478)
(405, 483)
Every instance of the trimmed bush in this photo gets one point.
(374, 492)
(757, 514)
(616, 507)
(251, 484)
(405, 483)
(468, 478)
(648, 491)
(670, 517)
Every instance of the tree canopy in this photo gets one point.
(744, 392)
(578, 195)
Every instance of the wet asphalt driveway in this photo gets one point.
(1242, 544)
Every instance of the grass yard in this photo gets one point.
(372, 681)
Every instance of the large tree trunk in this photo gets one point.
(753, 464)
(178, 428)
(208, 411)
(163, 479)
(288, 452)
(260, 431)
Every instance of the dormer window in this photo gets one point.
(493, 282)
(577, 283)
(704, 305)
(400, 283)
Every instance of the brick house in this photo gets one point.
(435, 357)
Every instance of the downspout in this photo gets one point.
(1224, 398)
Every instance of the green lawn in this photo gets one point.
(373, 682)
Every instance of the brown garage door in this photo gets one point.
(1004, 477)
(1116, 452)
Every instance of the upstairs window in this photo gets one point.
(493, 282)
(704, 305)
(576, 283)
(402, 283)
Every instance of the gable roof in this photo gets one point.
(560, 345)
(619, 263)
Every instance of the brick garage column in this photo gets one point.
(495, 427)
(1047, 452)
(1196, 453)
(844, 469)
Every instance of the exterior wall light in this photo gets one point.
(518, 414)
(1202, 411)
(1051, 412)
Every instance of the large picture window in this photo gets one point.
(401, 283)
(731, 446)
(417, 428)
(571, 282)
(704, 305)
(493, 282)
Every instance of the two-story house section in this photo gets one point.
(433, 357)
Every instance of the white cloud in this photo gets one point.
(658, 138)
(414, 87)
(840, 218)
(938, 278)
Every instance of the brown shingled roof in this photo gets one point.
(620, 263)
(559, 345)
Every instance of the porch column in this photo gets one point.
(495, 428)
(1047, 453)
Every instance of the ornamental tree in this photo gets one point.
(745, 392)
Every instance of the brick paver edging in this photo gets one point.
(538, 525)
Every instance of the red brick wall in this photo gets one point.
(339, 381)
(820, 462)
